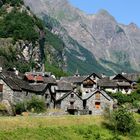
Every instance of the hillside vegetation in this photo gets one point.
(18, 24)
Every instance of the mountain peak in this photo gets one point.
(133, 25)
(104, 13)
(117, 45)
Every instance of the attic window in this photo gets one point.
(97, 96)
(1, 87)
(72, 95)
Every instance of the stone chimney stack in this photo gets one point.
(0, 69)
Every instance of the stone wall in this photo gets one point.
(104, 104)
(65, 103)
(7, 93)
(59, 94)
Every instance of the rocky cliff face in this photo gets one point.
(109, 44)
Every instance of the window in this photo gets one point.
(26, 93)
(97, 96)
(97, 105)
(1, 87)
(87, 91)
(46, 96)
(72, 95)
(71, 103)
(90, 112)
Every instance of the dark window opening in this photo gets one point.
(90, 112)
(97, 105)
(46, 95)
(48, 105)
(26, 93)
(1, 87)
(72, 95)
(71, 103)
(84, 104)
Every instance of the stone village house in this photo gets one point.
(15, 89)
(97, 102)
(70, 102)
(74, 94)
(94, 103)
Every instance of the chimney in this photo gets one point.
(43, 68)
(0, 69)
(16, 72)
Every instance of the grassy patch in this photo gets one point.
(58, 128)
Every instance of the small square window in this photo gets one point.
(71, 103)
(72, 95)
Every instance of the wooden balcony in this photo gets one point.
(72, 107)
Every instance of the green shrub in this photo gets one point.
(121, 98)
(123, 121)
(33, 105)
(13, 2)
(19, 26)
(3, 110)
(2, 107)
(20, 107)
(36, 105)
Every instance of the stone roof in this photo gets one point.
(23, 84)
(35, 88)
(18, 84)
(96, 74)
(106, 82)
(120, 76)
(74, 79)
(123, 84)
(64, 86)
(47, 74)
(88, 95)
(49, 80)
(10, 83)
(65, 95)
(39, 88)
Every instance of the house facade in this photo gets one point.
(71, 103)
(14, 89)
(98, 102)
(123, 83)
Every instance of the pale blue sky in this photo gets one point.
(125, 11)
